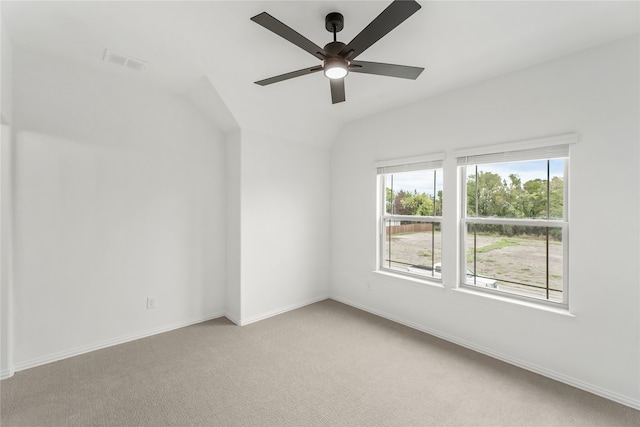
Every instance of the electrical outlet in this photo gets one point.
(151, 302)
(369, 286)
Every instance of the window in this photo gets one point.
(514, 223)
(410, 218)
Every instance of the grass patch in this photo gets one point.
(498, 244)
(502, 243)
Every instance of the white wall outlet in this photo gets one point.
(151, 302)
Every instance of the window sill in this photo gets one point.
(562, 311)
(408, 278)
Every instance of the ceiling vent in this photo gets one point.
(124, 61)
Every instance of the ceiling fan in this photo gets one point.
(339, 59)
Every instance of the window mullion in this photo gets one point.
(416, 218)
(547, 229)
(433, 228)
(517, 222)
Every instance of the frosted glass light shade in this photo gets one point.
(336, 68)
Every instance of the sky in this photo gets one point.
(422, 181)
(525, 170)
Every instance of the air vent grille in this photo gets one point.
(124, 61)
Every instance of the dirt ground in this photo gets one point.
(522, 260)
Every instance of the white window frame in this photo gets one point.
(384, 168)
(538, 149)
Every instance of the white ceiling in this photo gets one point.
(458, 43)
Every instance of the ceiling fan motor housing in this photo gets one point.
(334, 22)
(334, 48)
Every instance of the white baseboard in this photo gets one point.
(607, 394)
(281, 310)
(232, 319)
(21, 366)
(7, 373)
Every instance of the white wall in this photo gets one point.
(234, 228)
(285, 225)
(119, 195)
(6, 252)
(594, 93)
(6, 76)
(6, 201)
(125, 192)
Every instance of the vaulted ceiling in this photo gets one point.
(188, 43)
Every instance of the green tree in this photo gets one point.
(405, 203)
(491, 195)
(515, 197)
(536, 206)
(417, 204)
(398, 207)
(556, 198)
(389, 200)
(438, 207)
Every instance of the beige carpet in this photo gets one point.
(325, 364)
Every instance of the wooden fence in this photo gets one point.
(409, 228)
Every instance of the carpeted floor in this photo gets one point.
(326, 364)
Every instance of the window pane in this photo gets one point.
(531, 189)
(412, 246)
(414, 193)
(514, 259)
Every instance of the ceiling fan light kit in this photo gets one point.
(336, 68)
(339, 59)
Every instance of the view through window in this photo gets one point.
(515, 228)
(410, 223)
